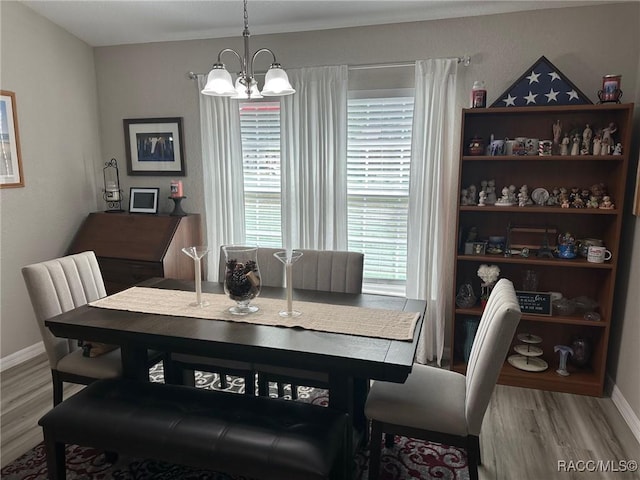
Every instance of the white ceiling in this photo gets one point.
(117, 22)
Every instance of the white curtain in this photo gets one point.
(432, 198)
(222, 174)
(314, 159)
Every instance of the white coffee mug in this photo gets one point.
(597, 254)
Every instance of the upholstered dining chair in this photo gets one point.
(182, 367)
(57, 286)
(445, 406)
(321, 270)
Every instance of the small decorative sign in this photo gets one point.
(534, 303)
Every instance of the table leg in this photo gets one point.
(341, 398)
(135, 363)
(360, 392)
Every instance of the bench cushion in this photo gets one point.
(258, 437)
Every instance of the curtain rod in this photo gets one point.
(464, 60)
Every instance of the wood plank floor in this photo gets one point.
(525, 433)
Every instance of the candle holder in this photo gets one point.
(177, 207)
(197, 253)
(112, 193)
(288, 259)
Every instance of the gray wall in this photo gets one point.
(53, 76)
(149, 80)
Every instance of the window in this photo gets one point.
(260, 131)
(378, 169)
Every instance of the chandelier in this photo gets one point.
(220, 84)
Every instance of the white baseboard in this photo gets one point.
(21, 356)
(625, 410)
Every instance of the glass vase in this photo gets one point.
(241, 278)
(288, 259)
(196, 253)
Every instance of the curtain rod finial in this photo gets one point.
(192, 76)
(465, 60)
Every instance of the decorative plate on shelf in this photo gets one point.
(529, 338)
(540, 196)
(528, 350)
(528, 364)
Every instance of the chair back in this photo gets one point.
(329, 271)
(57, 286)
(271, 269)
(490, 347)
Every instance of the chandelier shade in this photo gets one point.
(220, 84)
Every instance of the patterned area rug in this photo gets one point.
(409, 458)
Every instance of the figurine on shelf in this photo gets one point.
(564, 146)
(606, 203)
(513, 198)
(593, 202)
(491, 193)
(464, 197)
(483, 197)
(577, 203)
(523, 196)
(587, 134)
(564, 202)
(617, 150)
(554, 197)
(575, 147)
(557, 131)
(598, 190)
(505, 199)
(473, 193)
(597, 143)
(584, 195)
(607, 133)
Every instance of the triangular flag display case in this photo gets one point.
(542, 84)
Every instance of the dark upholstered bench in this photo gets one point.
(262, 438)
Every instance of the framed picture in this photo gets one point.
(143, 200)
(154, 146)
(10, 159)
(479, 248)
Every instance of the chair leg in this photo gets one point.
(476, 444)
(56, 466)
(389, 440)
(375, 445)
(250, 384)
(294, 392)
(58, 387)
(263, 386)
(473, 456)
(223, 380)
(280, 390)
(188, 377)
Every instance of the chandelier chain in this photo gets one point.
(246, 16)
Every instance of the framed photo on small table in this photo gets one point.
(143, 200)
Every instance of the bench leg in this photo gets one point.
(56, 467)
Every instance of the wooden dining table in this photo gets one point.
(349, 360)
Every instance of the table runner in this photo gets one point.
(368, 322)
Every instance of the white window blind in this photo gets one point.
(379, 155)
(378, 168)
(260, 131)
